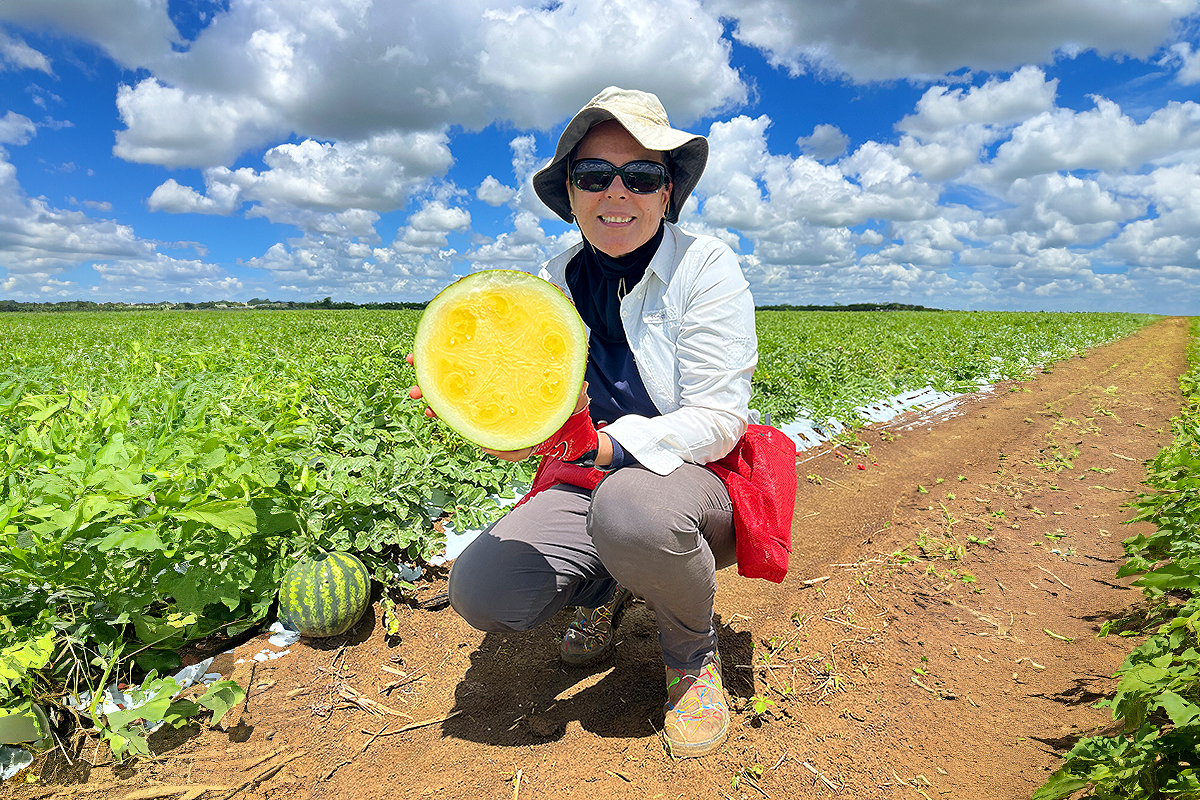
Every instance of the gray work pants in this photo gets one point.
(661, 536)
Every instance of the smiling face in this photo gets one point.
(616, 221)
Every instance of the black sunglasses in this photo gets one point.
(639, 177)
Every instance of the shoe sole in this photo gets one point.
(696, 749)
(587, 659)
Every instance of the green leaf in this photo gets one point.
(391, 616)
(144, 539)
(1171, 576)
(1179, 710)
(231, 516)
(160, 633)
(1061, 784)
(20, 725)
(210, 461)
(220, 697)
(45, 408)
(18, 659)
(159, 660)
(124, 741)
(1141, 677)
(180, 711)
(150, 703)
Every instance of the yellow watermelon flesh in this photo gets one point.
(500, 357)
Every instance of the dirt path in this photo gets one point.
(936, 638)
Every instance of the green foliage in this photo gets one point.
(1145, 764)
(1158, 695)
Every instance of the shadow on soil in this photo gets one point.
(516, 692)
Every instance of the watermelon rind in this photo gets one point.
(500, 357)
(324, 596)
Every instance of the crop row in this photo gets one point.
(1157, 698)
(160, 471)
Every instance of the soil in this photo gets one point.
(936, 637)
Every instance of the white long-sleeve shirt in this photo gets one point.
(690, 324)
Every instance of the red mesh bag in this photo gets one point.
(760, 475)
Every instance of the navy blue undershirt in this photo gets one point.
(614, 384)
(616, 389)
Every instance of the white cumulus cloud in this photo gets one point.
(167, 125)
(1103, 138)
(430, 226)
(1188, 60)
(999, 101)
(378, 174)
(551, 56)
(826, 143)
(134, 33)
(39, 243)
(494, 193)
(875, 40)
(168, 278)
(348, 71)
(35, 237)
(175, 198)
(16, 129)
(16, 54)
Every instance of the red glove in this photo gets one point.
(575, 441)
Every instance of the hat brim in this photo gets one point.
(687, 155)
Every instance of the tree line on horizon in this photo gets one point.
(207, 305)
(329, 303)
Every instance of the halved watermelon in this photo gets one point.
(500, 357)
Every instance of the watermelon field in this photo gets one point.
(162, 471)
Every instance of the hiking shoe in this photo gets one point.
(697, 714)
(592, 634)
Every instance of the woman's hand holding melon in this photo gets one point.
(414, 392)
(576, 439)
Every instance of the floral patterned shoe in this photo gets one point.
(592, 634)
(697, 715)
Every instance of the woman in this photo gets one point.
(672, 347)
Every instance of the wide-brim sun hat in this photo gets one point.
(643, 115)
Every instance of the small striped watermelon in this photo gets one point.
(324, 596)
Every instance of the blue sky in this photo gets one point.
(967, 154)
